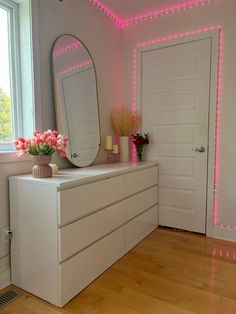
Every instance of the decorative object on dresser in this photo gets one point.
(41, 146)
(115, 149)
(124, 148)
(108, 143)
(125, 122)
(108, 147)
(139, 141)
(76, 230)
(115, 155)
(41, 167)
(111, 149)
(54, 168)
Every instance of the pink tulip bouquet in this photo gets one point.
(45, 143)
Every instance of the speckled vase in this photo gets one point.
(41, 168)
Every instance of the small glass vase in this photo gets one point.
(41, 168)
(139, 151)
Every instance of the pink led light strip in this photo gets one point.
(218, 99)
(217, 135)
(166, 11)
(67, 49)
(150, 15)
(74, 67)
(108, 12)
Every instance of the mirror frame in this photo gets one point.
(55, 97)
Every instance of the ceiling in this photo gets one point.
(126, 9)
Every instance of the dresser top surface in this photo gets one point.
(78, 176)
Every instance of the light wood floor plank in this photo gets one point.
(170, 272)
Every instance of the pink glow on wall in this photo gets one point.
(67, 49)
(152, 14)
(218, 99)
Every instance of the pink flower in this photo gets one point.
(52, 140)
(63, 153)
(37, 133)
(55, 133)
(38, 140)
(21, 139)
(45, 143)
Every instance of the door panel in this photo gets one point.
(175, 107)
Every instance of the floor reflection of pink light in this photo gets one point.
(224, 253)
(213, 274)
(220, 254)
(214, 252)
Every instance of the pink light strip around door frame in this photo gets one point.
(218, 99)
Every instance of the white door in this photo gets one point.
(175, 109)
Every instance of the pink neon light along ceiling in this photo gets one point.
(129, 12)
(127, 9)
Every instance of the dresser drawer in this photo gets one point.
(138, 228)
(80, 270)
(82, 200)
(140, 180)
(140, 202)
(78, 235)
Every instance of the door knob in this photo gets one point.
(200, 149)
(74, 155)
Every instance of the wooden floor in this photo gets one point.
(169, 272)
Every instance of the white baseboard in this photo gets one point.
(5, 279)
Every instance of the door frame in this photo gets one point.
(212, 33)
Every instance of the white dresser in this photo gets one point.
(69, 228)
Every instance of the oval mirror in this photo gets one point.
(76, 101)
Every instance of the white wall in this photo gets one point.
(6, 170)
(223, 13)
(102, 38)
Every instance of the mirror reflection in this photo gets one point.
(76, 100)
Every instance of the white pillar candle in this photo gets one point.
(115, 150)
(108, 142)
(124, 148)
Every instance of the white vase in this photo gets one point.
(124, 148)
